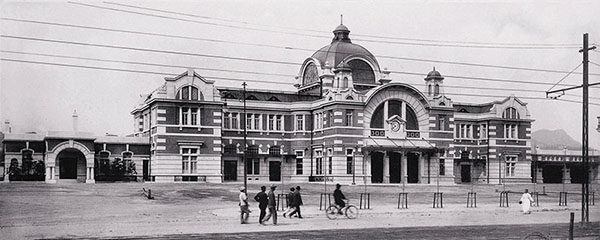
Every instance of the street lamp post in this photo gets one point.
(245, 135)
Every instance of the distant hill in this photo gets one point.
(554, 139)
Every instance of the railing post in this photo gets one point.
(438, 200)
(471, 200)
(562, 199)
(504, 199)
(403, 200)
(366, 204)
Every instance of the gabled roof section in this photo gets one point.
(190, 72)
(265, 95)
(484, 107)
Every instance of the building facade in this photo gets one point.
(346, 122)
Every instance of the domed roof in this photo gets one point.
(341, 27)
(340, 48)
(434, 75)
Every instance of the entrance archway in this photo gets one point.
(71, 164)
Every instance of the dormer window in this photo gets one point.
(510, 113)
(189, 93)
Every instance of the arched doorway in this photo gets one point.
(71, 164)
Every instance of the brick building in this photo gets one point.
(347, 122)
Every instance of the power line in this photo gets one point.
(144, 63)
(237, 79)
(128, 70)
(247, 59)
(319, 36)
(148, 50)
(565, 76)
(276, 74)
(221, 70)
(316, 31)
(292, 48)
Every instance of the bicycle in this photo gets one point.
(350, 211)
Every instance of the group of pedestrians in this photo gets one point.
(268, 200)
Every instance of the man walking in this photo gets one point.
(262, 200)
(297, 200)
(290, 202)
(244, 210)
(272, 205)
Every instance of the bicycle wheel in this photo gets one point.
(351, 212)
(331, 212)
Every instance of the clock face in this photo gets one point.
(395, 126)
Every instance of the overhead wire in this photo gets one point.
(238, 79)
(563, 78)
(292, 48)
(317, 31)
(213, 69)
(248, 59)
(319, 36)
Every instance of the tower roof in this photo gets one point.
(434, 75)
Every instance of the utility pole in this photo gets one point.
(585, 187)
(245, 135)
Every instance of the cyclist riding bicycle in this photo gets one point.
(339, 198)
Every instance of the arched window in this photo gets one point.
(377, 118)
(311, 74)
(429, 90)
(411, 119)
(510, 113)
(349, 98)
(361, 72)
(345, 82)
(189, 93)
(395, 107)
(436, 90)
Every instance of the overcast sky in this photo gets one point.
(37, 97)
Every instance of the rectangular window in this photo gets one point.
(271, 122)
(299, 122)
(510, 131)
(226, 121)
(330, 118)
(278, 123)
(153, 117)
(511, 162)
(349, 160)
(483, 131)
(257, 122)
(234, 121)
(319, 161)
(249, 120)
(442, 122)
(194, 115)
(253, 166)
(465, 131)
(299, 166)
(349, 114)
(485, 162)
(184, 116)
(442, 167)
(330, 161)
(189, 158)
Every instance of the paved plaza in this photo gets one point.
(119, 210)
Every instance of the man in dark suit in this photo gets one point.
(262, 200)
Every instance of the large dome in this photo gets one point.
(341, 48)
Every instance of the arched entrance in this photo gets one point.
(71, 164)
(68, 161)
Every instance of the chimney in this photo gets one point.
(75, 121)
(6, 128)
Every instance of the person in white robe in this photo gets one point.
(526, 201)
